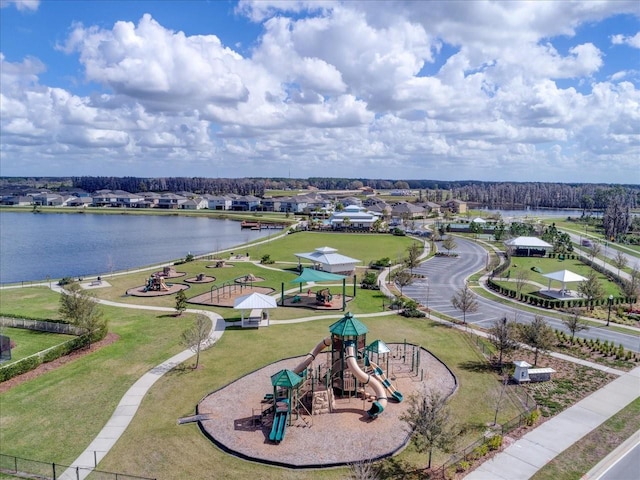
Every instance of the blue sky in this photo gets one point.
(484, 90)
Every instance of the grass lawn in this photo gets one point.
(578, 459)
(550, 265)
(54, 416)
(365, 247)
(33, 302)
(29, 342)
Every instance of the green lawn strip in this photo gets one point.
(54, 416)
(183, 452)
(578, 459)
(28, 342)
(32, 302)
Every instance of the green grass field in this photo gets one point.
(28, 342)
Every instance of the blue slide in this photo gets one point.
(280, 420)
(376, 371)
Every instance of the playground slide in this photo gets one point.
(279, 427)
(380, 375)
(378, 406)
(311, 356)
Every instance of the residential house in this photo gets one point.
(195, 203)
(171, 201)
(245, 203)
(18, 200)
(457, 206)
(220, 202)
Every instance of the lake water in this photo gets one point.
(34, 246)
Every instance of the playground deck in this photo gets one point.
(342, 437)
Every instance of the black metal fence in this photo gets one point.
(26, 468)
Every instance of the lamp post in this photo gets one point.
(609, 302)
(428, 311)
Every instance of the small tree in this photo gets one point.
(620, 261)
(591, 288)
(465, 301)
(194, 336)
(504, 336)
(181, 302)
(80, 308)
(574, 323)
(522, 277)
(449, 244)
(413, 256)
(403, 278)
(538, 335)
(430, 421)
(632, 286)
(594, 250)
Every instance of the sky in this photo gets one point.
(544, 91)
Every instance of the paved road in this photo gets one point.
(626, 468)
(446, 275)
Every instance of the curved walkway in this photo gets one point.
(130, 402)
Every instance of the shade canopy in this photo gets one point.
(312, 275)
(255, 301)
(563, 276)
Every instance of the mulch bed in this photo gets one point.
(140, 292)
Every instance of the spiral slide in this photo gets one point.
(374, 369)
(311, 356)
(378, 406)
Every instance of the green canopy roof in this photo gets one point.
(285, 378)
(378, 347)
(348, 326)
(312, 275)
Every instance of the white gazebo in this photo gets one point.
(329, 260)
(564, 276)
(258, 305)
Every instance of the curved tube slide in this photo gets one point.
(378, 406)
(311, 356)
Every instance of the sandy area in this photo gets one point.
(344, 436)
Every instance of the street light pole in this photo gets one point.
(610, 303)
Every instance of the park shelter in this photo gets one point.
(528, 246)
(258, 305)
(564, 276)
(328, 259)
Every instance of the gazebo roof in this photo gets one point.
(378, 347)
(327, 256)
(565, 276)
(527, 242)
(285, 378)
(348, 326)
(254, 300)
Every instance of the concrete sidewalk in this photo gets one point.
(525, 457)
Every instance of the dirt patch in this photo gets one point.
(47, 367)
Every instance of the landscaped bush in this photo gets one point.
(494, 443)
(532, 417)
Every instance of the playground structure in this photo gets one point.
(200, 278)
(318, 410)
(155, 283)
(306, 391)
(324, 297)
